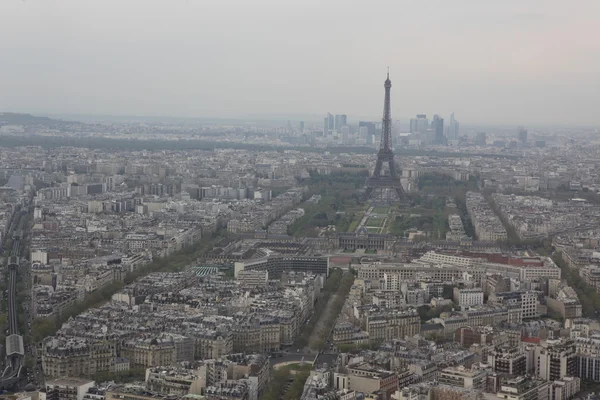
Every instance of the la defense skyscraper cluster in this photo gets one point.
(436, 132)
(379, 181)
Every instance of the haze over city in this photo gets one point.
(501, 62)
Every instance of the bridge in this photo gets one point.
(15, 351)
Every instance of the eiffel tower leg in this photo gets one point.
(378, 166)
(392, 166)
(401, 194)
(376, 173)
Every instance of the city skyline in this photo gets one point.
(224, 200)
(500, 63)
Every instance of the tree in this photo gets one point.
(295, 391)
(42, 328)
(587, 295)
(448, 292)
(277, 385)
(427, 312)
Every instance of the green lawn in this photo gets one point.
(381, 210)
(357, 208)
(373, 230)
(355, 221)
(300, 367)
(374, 222)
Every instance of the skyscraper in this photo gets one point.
(437, 125)
(419, 124)
(301, 126)
(363, 133)
(453, 129)
(325, 126)
(330, 125)
(371, 130)
(523, 136)
(340, 121)
(345, 134)
(413, 126)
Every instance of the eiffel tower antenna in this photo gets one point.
(385, 154)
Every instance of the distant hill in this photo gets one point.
(28, 120)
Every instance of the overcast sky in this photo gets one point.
(489, 61)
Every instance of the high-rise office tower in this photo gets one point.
(419, 124)
(340, 121)
(345, 134)
(363, 132)
(453, 129)
(369, 125)
(371, 130)
(413, 126)
(481, 139)
(437, 125)
(523, 136)
(325, 126)
(301, 126)
(330, 122)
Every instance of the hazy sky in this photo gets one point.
(489, 61)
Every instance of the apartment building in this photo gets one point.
(363, 377)
(566, 388)
(175, 381)
(591, 274)
(150, 352)
(229, 390)
(77, 357)
(556, 359)
(467, 297)
(68, 388)
(253, 278)
(463, 378)
(524, 388)
(394, 324)
(528, 301)
(212, 344)
(508, 360)
(588, 358)
(486, 223)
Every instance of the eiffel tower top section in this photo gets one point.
(385, 146)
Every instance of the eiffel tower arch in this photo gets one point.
(380, 186)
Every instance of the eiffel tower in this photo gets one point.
(385, 155)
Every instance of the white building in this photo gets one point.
(565, 388)
(438, 258)
(468, 297)
(68, 388)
